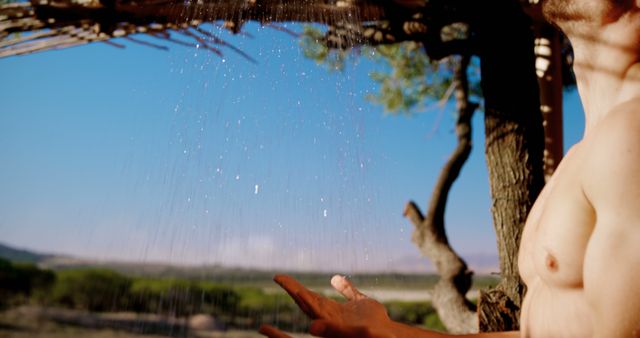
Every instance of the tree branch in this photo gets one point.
(449, 294)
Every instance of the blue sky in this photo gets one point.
(188, 158)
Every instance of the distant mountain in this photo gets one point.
(147, 269)
(21, 255)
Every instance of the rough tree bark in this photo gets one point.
(448, 296)
(514, 147)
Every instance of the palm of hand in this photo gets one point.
(359, 312)
(360, 316)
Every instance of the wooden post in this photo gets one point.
(548, 52)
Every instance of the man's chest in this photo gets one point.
(558, 229)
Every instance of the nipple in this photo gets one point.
(551, 263)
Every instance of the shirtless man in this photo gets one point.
(580, 251)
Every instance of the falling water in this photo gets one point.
(252, 158)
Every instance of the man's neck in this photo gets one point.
(607, 66)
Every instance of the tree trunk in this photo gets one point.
(514, 147)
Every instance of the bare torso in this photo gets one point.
(552, 254)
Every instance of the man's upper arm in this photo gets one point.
(612, 261)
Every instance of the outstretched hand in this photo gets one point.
(359, 316)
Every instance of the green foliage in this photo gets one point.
(106, 290)
(240, 307)
(415, 313)
(91, 289)
(433, 322)
(314, 49)
(409, 312)
(408, 80)
(19, 281)
(258, 306)
(411, 78)
(181, 297)
(255, 300)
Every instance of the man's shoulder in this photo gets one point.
(629, 105)
(612, 154)
(620, 128)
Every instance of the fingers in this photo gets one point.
(344, 286)
(323, 328)
(311, 303)
(272, 332)
(292, 287)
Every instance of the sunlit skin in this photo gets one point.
(580, 250)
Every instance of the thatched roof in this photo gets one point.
(40, 25)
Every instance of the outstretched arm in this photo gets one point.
(359, 317)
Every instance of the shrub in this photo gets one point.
(19, 281)
(181, 297)
(415, 313)
(433, 322)
(409, 312)
(91, 289)
(259, 307)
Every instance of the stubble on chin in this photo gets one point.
(585, 11)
